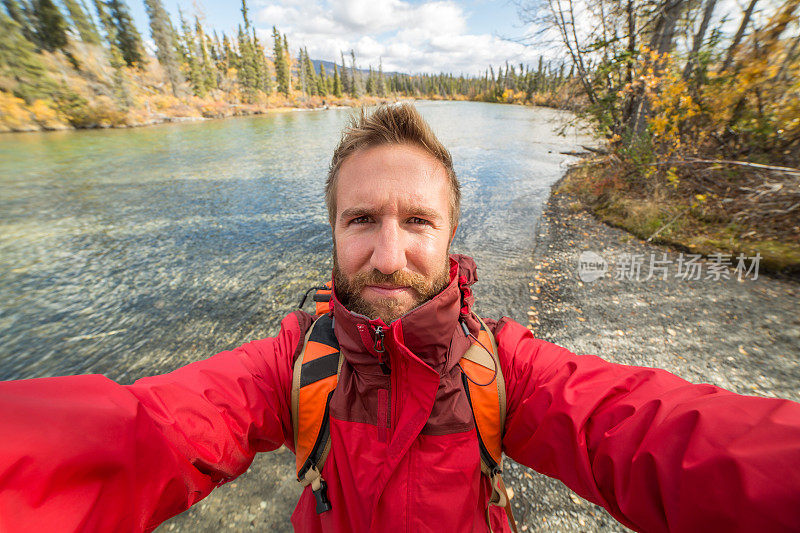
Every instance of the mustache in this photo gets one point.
(399, 278)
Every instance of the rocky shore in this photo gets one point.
(742, 335)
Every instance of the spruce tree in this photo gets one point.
(51, 28)
(355, 83)
(337, 82)
(344, 77)
(322, 81)
(128, 39)
(163, 35)
(371, 87)
(281, 64)
(246, 71)
(262, 68)
(19, 16)
(21, 70)
(381, 80)
(310, 73)
(188, 49)
(82, 22)
(207, 67)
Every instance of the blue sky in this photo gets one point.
(406, 35)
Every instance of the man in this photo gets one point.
(84, 453)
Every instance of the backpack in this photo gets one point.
(316, 373)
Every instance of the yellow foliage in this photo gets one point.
(46, 116)
(13, 114)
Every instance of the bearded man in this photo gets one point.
(85, 453)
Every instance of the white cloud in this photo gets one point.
(426, 37)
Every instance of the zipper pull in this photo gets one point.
(379, 340)
(381, 349)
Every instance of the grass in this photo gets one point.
(675, 220)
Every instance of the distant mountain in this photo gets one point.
(329, 68)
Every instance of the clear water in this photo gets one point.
(132, 252)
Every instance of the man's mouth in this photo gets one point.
(387, 290)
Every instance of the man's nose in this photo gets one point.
(389, 251)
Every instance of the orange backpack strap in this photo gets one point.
(486, 392)
(322, 299)
(314, 378)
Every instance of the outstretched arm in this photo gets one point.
(659, 453)
(84, 453)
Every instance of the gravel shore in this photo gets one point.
(740, 335)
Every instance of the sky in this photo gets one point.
(410, 36)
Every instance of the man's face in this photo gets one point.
(392, 230)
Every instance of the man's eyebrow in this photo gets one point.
(355, 212)
(412, 210)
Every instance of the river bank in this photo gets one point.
(740, 335)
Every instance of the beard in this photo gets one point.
(348, 290)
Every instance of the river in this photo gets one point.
(130, 252)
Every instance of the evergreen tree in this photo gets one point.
(21, 70)
(322, 81)
(345, 78)
(244, 16)
(310, 74)
(51, 28)
(355, 86)
(207, 67)
(82, 22)
(246, 72)
(20, 16)
(288, 57)
(163, 35)
(337, 82)
(281, 65)
(262, 68)
(129, 41)
(371, 85)
(115, 55)
(381, 80)
(191, 65)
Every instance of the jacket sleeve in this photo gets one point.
(659, 453)
(82, 453)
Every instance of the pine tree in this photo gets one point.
(128, 39)
(207, 68)
(281, 65)
(163, 35)
(188, 49)
(51, 28)
(262, 68)
(82, 22)
(337, 82)
(344, 76)
(288, 57)
(246, 72)
(21, 71)
(310, 73)
(244, 16)
(355, 86)
(322, 81)
(20, 16)
(371, 85)
(381, 80)
(115, 55)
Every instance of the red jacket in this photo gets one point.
(83, 453)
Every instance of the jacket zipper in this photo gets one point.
(381, 349)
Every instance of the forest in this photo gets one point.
(78, 67)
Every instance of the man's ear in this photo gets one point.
(453, 234)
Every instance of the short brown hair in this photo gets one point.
(390, 124)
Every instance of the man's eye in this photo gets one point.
(417, 220)
(360, 220)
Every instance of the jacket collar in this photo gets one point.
(427, 331)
